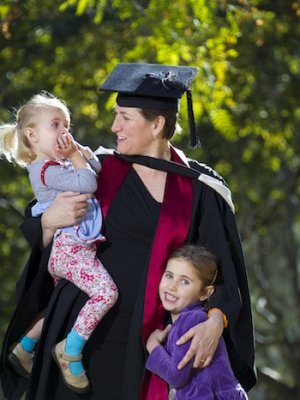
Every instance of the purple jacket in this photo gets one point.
(215, 382)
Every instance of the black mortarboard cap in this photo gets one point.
(153, 86)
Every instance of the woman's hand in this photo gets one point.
(204, 341)
(156, 338)
(67, 209)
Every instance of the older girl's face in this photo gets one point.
(134, 133)
(180, 286)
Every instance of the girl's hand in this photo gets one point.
(204, 341)
(157, 337)
(67, 209)
(66, 146)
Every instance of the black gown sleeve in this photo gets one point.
(31, 226)
(215, 228)
(32, 231)
(33, 291)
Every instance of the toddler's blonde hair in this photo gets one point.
(13, 142)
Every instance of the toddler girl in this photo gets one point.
(40, 140)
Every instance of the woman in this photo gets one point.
(148, 213)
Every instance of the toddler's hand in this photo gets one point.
(66, 146)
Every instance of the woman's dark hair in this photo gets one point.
(171, 118)
(205, 262)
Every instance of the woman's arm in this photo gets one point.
(213, 232)
(204, 339)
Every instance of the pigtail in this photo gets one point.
(14, 144)
(9, 141)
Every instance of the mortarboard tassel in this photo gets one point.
(194, 140)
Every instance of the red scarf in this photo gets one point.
(172, 229)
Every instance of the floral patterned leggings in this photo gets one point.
(79, 264)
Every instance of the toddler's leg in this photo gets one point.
(80, 265)
(58, 255)
(21, 354)
(92, 278)
(35, 331)
(85, 270)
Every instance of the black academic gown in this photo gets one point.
(213, 226)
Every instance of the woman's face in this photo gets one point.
(134, 133)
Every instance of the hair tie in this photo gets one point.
(215, 277)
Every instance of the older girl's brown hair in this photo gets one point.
(205, 262)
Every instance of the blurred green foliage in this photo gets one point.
(246, 103)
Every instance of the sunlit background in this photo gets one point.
(246, 104)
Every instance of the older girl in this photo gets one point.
(186, 285)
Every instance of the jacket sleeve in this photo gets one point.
(217, 231)
(214, 226)
(164, 363)
(82, 180)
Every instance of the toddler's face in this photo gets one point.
(50, 125)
